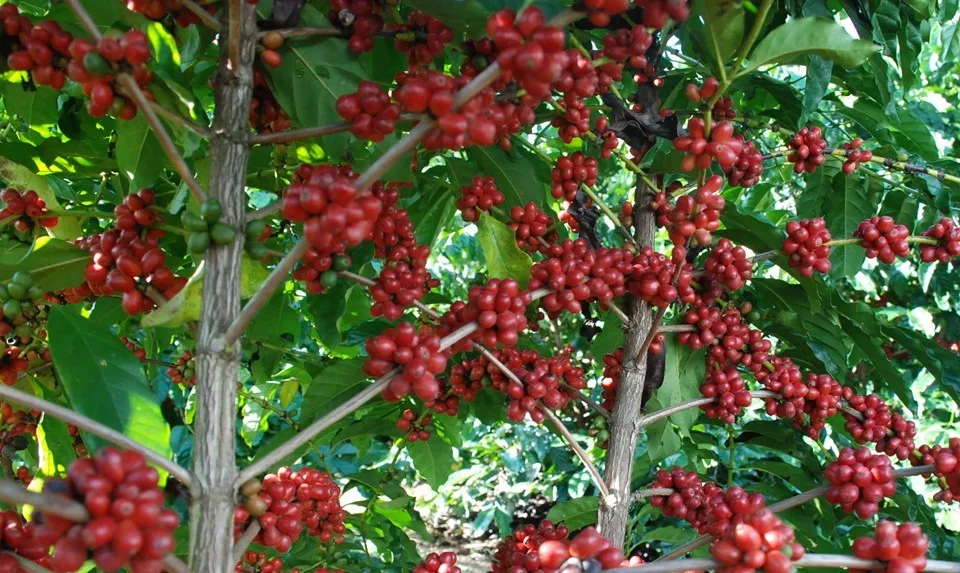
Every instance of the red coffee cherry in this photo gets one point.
(532, 226)
(947, 234)
(521, 548)
(808, 146)
(903, 547)
(429, 37)
(730, 393)
(701, 152)
(747, 170)
(806, 246)
(185, 371)
(883, 239)
(860, 480)
(266, 115)
(26, 210)
(855, 156)
(416, 429)
(570, 172)
(397, 287)
(728, 265)
(877, 423)
(369, 111)
(360, 17)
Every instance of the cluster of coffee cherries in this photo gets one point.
(700, 151)
(266, 115)
(570, 172)
(656, 13)
(608, 139)
(877, 423)
(947, 462)
(18, 296)
(652, 277)
(480, 196)
(371, 114)
(576, 273)
(747, 170)
(573, 120)
(286, 502)
(723, 109)
(541, 382)
(399, 285)
(335, 214)
(706, 506)
(728, 390)
(521, 549)
(728, 265)
(25, 211)
(883, 239)
(696, 215)
(159, 9)
(422, 38)
(265, 564)
(947, 234)
(361, 17)
(529, 51)
(499, 309)
(532, 227)
(859, 481)
(128, 259)
(762, 541)
(808, 146)
(417, 428)
(855, 156)
(903, 548)
(445, 562)
(416, 353)
(129, 525)
(184, 372)
(18, 536)
(806, 246)
(206, 228)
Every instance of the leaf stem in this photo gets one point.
(748, 42)
(208, 20)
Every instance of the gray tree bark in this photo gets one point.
(624, 431)
(215, 466)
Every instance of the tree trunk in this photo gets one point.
(215, 466)
(614, 510)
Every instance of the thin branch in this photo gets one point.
(233, 32)
(86, 22)
(651, 492)
(95, 428)
(298, 134)
(178, 119)
(618, 311)
(578, 449)
(15, 494)
(166, 142)
(307, 31)
(587, 400)
(174, 564)
(28, 565)
(245, 540)
(34, 370)
(263, 295)
(664, 328)
(208, 20)
(695, 403)
(264, 212)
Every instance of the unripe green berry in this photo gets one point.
(222, 234)
(16, 291)
(198, 242)
(341, 263)
(211, 210)
(193, 223)
(329, 278)
(12, 309)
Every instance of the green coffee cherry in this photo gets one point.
(193, 223)
(211, 210)
(16, 291)
(341, 263)
(22, 278)
(255, 229)
(329, 279)
(96, 64)
(256, 250)
(24, 331)
(35, 293)
(4, 295)
(222, 234)
(198, 243)
(12, 309)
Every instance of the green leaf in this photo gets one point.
(723, 31)
(105, 381)
(489, 407)
(431, 210)
(520, 176)
(667, 534)
(23, 180)
(326, 311)
(684, 372)
(185, 306)
(139, 155)
(433, 460)
(53, 264)
(311, 78)
(819, 72)
(575, 513)
(803, 36)
(885, 369)
(940, 362)
(503, 256)
(54, 447)
(844, 210)
(464, 16)
(35, 107)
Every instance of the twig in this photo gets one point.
(265, 292)
(173, 564)
(245, 540)
(233, 31)
(15, 494)
(95, 428)
(587, 400)
(166, 142)
(178, 119)
(28, 565)
(264, 212)
(86, 22)
(307, 31)
(651, 492)
(677, 328)
(695, 403)
(298, 134)
(618, 311)
(34, 370)
(208, 20)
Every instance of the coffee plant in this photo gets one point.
(282, 279)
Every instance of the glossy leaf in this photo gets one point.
(139, 155)
(575, 513)
(504, 257)
(810, 36)
(433, 460)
